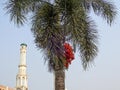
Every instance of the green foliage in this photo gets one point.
(18, 9)
(61, 21)
(48, 35)
(106, 9)
(102, 8)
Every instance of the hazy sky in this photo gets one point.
(104, 75)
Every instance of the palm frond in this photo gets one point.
(88, 42)
(18, 9)
(105, 9)
(48, 35)
(83, 34)
(101, 7)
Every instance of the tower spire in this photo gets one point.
(21, 78)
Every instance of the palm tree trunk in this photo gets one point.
(59, 79)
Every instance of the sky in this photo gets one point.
(103, 75)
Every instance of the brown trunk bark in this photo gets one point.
(59, 79)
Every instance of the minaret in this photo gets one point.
(21, 78)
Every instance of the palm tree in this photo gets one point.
(55, 23)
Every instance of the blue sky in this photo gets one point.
(104, 75)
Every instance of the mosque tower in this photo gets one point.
(21, 78)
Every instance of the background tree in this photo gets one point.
(54, 24)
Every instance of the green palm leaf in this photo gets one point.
(101, 8)
(48, 35)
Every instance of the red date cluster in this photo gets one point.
(68, 54)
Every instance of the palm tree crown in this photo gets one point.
(62, 21)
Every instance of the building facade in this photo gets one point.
(5, 88)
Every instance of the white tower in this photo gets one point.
(21, 78)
